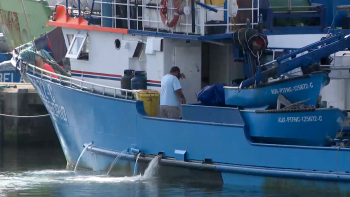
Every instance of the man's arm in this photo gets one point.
(181, 95)
(178, 90)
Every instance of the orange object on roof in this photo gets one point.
(63, 20)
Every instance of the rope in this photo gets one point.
(3, 86)
(27, 55)
(14, 116)
(341, 133)
(46, 55)
(337, 161)
(25, 12)
(336, 13)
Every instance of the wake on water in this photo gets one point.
(31, 179)
(150, 171)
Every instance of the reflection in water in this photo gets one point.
(68, 183)
(42, 172)
(23, 159)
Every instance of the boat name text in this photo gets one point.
(296, 88)
(300, 119)
(46, 95)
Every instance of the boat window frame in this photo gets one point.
(77, 35)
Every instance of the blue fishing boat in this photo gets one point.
(306, 87)
(289, 145)
(118, 124)
(294, 127)
(7, 71)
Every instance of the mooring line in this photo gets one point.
(35, 116)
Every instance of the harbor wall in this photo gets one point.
(21, 99)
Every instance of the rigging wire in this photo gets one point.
(26, 15)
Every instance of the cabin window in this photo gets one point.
(78, 46)
(117, 44)
(270, 55)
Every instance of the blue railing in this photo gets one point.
(316, 12)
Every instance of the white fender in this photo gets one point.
(232, 7)
(187, 10)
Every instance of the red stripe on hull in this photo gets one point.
(106, 75)
(92, 73)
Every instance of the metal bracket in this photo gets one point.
(180, 155)
(134, 150)
(208, 161)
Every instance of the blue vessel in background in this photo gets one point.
(7, 71)
(271, 132)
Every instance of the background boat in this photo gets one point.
(20, 22)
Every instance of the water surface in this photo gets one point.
(42, 172)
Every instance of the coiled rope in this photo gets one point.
(27, 55)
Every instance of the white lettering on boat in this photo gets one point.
(45, 92)
(340, 120)
(299, 119)
(296, 88)
(8, 77)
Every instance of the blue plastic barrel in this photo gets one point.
(139, 82)
(125, 82)
(126, 79)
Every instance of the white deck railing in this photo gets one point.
(73, 82)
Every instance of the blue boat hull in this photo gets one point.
(294, 89)
(305, 128)
(10, 76)
(8, 72)
(81, 117)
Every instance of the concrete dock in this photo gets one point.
(21, 99)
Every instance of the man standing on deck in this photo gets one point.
(171, 96)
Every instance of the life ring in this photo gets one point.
(164, 13)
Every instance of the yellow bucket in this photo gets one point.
(150, 100)
(214, 2)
